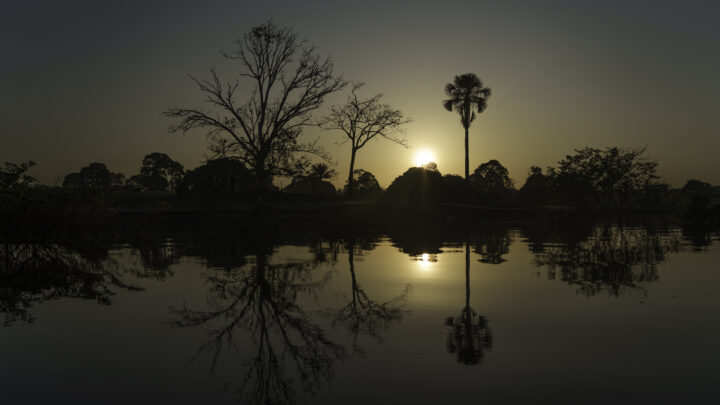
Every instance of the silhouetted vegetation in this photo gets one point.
(94, 175)
(362, 120)
(313, 182)
(365, 185)
(225, 176)
(158, 173)
(287, 80)
(466, 95)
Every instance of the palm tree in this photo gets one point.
(466, 94)
(320, 171)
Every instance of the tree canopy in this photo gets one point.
(466, 95)
(287, 82)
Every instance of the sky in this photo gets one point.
(87, 81)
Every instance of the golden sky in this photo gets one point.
(84, 82)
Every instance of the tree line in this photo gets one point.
(254, 123)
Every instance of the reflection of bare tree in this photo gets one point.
(31, 273)
(362, 315)
(261, 298)
(612, 259)
(468, 335)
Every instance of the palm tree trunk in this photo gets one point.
(467, 160)
(467, 274)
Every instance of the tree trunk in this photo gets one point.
(351, 183)
(467, 274)
(467, 160)
(261, 176)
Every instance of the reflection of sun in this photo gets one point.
(426, 260)
(424, 157)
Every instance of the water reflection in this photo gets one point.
(468, 335)
(32, 273)
(363, 315)
(261, 298)
(611, 260)
(492, 242)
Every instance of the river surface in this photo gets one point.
(506, 313)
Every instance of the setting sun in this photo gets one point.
(424, 157)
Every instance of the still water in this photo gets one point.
(506, 313)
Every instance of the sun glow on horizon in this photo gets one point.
(424, 157)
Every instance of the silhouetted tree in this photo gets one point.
(159, 173)
(94, 175)
(609, 176)
(313, 181)
(218, 177)
(366, 185)
(491, 177)
(287, 80)
(538, 187)
(362, 120)
(466, 95)
(13, 175)
(456, 187)
(417, 186)
(699, 190)
(320, 171)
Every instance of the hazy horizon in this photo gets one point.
(87, 82)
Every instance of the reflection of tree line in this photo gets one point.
(32, 273)
(250, 293)
(612, 260)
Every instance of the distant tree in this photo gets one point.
(491, 177)
(13, 175)
(320, 171)
(366, 185)
(159, 173)
(417, 186)
(466, 95)
(218, 177)
(362, 120)
(456, 187)
(313, 181)
(537, 188)
(287, 80)
(94, 175)
(609, 176)
(700, 194)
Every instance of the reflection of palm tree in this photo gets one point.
(468, 334)
(466, 94)
(261, 298)
(363, 315)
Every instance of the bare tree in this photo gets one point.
(287, 81)
(362, 120)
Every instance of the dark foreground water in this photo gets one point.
(500, 314)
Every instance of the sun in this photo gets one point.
(424, 157)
